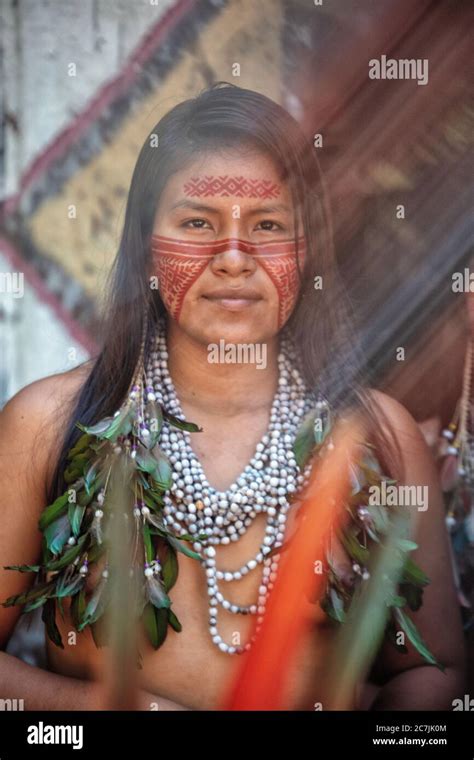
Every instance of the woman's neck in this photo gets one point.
(218, 388)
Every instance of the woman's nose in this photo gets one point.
(233, 261)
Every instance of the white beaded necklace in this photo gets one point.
(193, 506)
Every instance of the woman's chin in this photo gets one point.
(244, 326)
(241, 331)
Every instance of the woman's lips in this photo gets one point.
(233, 303)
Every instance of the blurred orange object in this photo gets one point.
(261, 681)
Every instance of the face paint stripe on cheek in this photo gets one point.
(283, 272)
(180, 263)
(197, 247)
(176, 271)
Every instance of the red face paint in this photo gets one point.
(241, 187)
(179, 264)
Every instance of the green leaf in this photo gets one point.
(69, 555)
(355, 549)
(414, 637)
(111, 427)
(57, 534)
(75, 517)
(161, 616)
(53, 511)
(396, 601)
(121, 425)
(181, 547)
(95, 552)
(145, 459)
(156, 593)
(71, 474)
(61, 608)
(96, 605)
(406, 546)
(151, 502)
(97, 428)
(69, 586)
(304, 441)
(191, 427)
(149, 552)
(23, 568)
(33, 605)
(48, 617)
(413, 595)
(157, 496)
(169, 569)
(154, 423)
(85, 497)
(91, 474)
(149, 621)
(45, 588)
(78, 608)
(337, 606)
(162, 474)
(413, 574)
(80, 460)
(174, 622)
(156, 624)
(80, 446)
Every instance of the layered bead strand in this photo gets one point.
(266, 485)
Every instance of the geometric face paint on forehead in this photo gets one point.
(224, 185)
(179, 263)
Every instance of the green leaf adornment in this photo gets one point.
(414, 637)
(304, 441)
(161, 616)
(80, 446)
(53, 511)
(191, 427)
(174, 622)
(48, 617)
(149, 622)
(69, 555)
(23, 568)
(57, 534)
(149, 551)
(169, 569)
(181, 547)
(78, 608)
(162, 474)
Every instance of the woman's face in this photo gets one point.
(223, 248)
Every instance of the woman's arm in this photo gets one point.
(408, 683)
(30, 437)
(42, 690)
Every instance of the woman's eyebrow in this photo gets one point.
(193, 205)
(271, 209)
(275, 207)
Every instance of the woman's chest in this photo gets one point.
(189, 668)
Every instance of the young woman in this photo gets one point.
(226, 234)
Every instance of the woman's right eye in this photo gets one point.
(196, 223)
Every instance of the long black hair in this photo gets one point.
(322, 323)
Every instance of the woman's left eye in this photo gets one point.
(269, 226)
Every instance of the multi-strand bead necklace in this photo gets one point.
(266, 485)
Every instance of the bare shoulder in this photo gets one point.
(36, 401)
(403, 426)
(33, 420)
